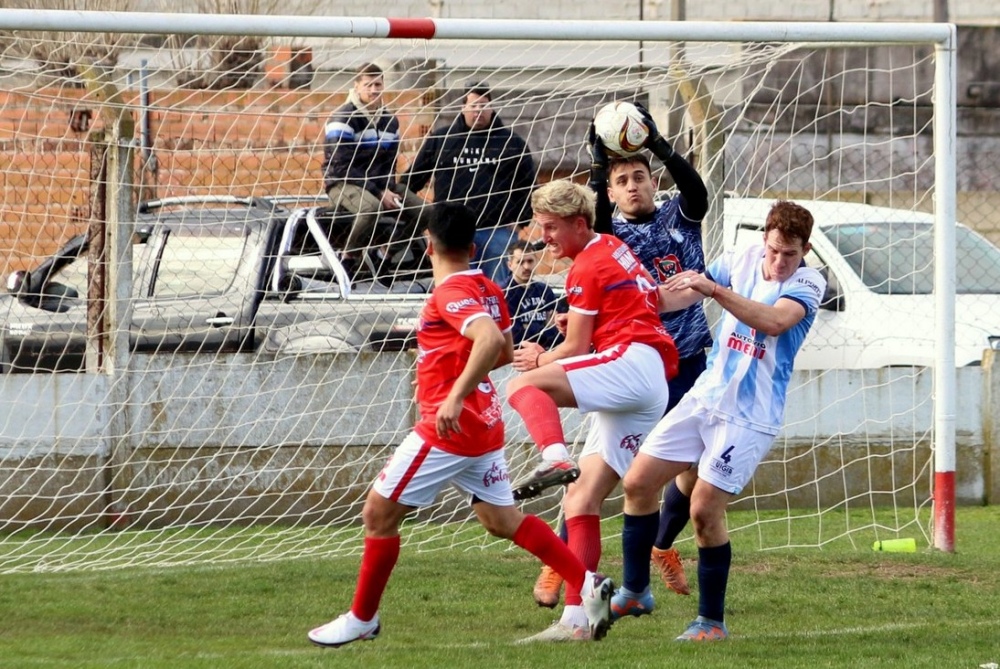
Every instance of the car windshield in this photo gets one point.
(898, 258)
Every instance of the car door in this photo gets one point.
(196, 286)
(45, 313)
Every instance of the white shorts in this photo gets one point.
(727, 454)
(626, 390)
(417, 471)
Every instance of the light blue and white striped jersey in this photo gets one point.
(748, 371)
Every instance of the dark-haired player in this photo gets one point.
(464, 333)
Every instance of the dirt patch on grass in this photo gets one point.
(891, 570)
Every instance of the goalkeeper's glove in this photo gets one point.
(598, 161)
(655, 142)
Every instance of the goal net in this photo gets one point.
(192, 373)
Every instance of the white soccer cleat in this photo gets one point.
(343, 630)
(596, 592)
(558, 632)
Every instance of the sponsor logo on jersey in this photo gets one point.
(493, 415)
(723, 468)
(492, 304)
(455, 307)
(575, 290)
(631, 442)
(746, 345)
(809, 284)
(496, 474)
(623, 255)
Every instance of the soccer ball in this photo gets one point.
(621, 127)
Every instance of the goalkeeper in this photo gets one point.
(666, 237)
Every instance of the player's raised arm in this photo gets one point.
(693, 194)
(599, 181)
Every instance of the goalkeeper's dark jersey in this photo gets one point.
(668, 243)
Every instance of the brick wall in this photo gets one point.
(205, 142)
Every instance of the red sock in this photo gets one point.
(534, 536)
(540, 415)
(377, 563)
(585, 542)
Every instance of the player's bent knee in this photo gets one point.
(514, 385)
(638, 489)
(500, 522)
(708, 525)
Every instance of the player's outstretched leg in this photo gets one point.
(546, 475)
(541, 417)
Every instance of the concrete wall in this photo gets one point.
(300, 440)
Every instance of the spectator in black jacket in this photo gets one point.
(477, 160)
(362, 143)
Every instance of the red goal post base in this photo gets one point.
(944, 511)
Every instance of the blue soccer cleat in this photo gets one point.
(625, 603)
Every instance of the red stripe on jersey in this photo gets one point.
(411, 471)
(412, 28)
(602, 358)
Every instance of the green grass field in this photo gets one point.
(837, 606)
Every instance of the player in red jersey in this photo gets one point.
(614, 362)
(464, 333)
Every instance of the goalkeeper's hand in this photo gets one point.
(598, 152)
(598, 162)
(655, 142)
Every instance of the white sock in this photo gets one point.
(555, 453)
(574, 616)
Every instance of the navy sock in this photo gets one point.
(674, 515)
(563, 532)
(637, 542)
(713, 576)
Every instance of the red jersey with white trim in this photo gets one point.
(608, 282)
(443, 352)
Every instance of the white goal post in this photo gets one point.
(258, 444)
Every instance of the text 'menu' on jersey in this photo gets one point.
(443, 352)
